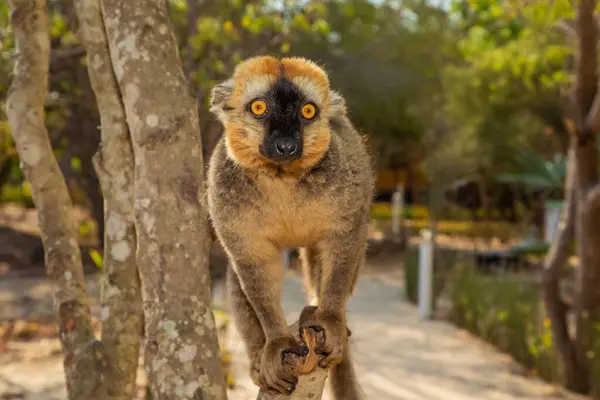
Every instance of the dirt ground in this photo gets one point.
(397, 356)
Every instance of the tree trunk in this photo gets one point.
(583, 128)
(182, 353)
(83, 354)
(122, 302)
(587, 104)
(587, 304)
(556, 260)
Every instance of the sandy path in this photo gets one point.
(397, 356)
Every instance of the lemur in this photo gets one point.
(290, 171)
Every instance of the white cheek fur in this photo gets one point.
(257, 87)
(308, 88)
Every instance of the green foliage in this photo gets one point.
(229, 31)
(97, 258)
(535, 171)
(509, 313)
(11, 193)
(508, 83)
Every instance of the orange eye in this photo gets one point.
(309, 111)
(258, 107)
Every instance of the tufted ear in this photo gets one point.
(219, 98)
(337, 104)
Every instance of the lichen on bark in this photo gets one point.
(84, 360)
(182, 354)
(122, 303)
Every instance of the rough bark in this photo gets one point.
(84, 360)
(182, 353)
(122, 303)
(553, 265)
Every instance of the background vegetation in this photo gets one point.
(469, 98)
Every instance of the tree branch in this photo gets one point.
(182, 355)
(592, 121)
(83, 359)
(122, 302)
(311, 379)
(553, 264)
(568, 28)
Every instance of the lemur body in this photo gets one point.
(289, 172)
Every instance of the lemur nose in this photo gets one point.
(286, 146)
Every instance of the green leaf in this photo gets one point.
(97, 258)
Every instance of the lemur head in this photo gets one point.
(277, 112)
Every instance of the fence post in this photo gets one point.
(552, 219)
(425, 275)
(397, 211)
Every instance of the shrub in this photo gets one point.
(509, 313)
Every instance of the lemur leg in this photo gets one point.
(342, 377)
(311, 268)
(247, 324)
(342, 255)
(343, 381)
(261, 283)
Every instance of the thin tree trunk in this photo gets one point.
(587, 305)
(553, 265)
(586, 102)
(84, 359)
(122, 301)
(182, 353)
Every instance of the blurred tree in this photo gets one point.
(25, 109)
(510, 83)
(538, 61)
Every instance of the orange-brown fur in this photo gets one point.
(240, 140)
(319, 203)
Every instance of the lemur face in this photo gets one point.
(276, 112)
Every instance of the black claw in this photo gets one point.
(288, 351)
(303, 351)
(292, 380)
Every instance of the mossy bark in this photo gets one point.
(122, 301)
(182, 353)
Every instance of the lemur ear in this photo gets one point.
(337, 104)
(219, 97)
